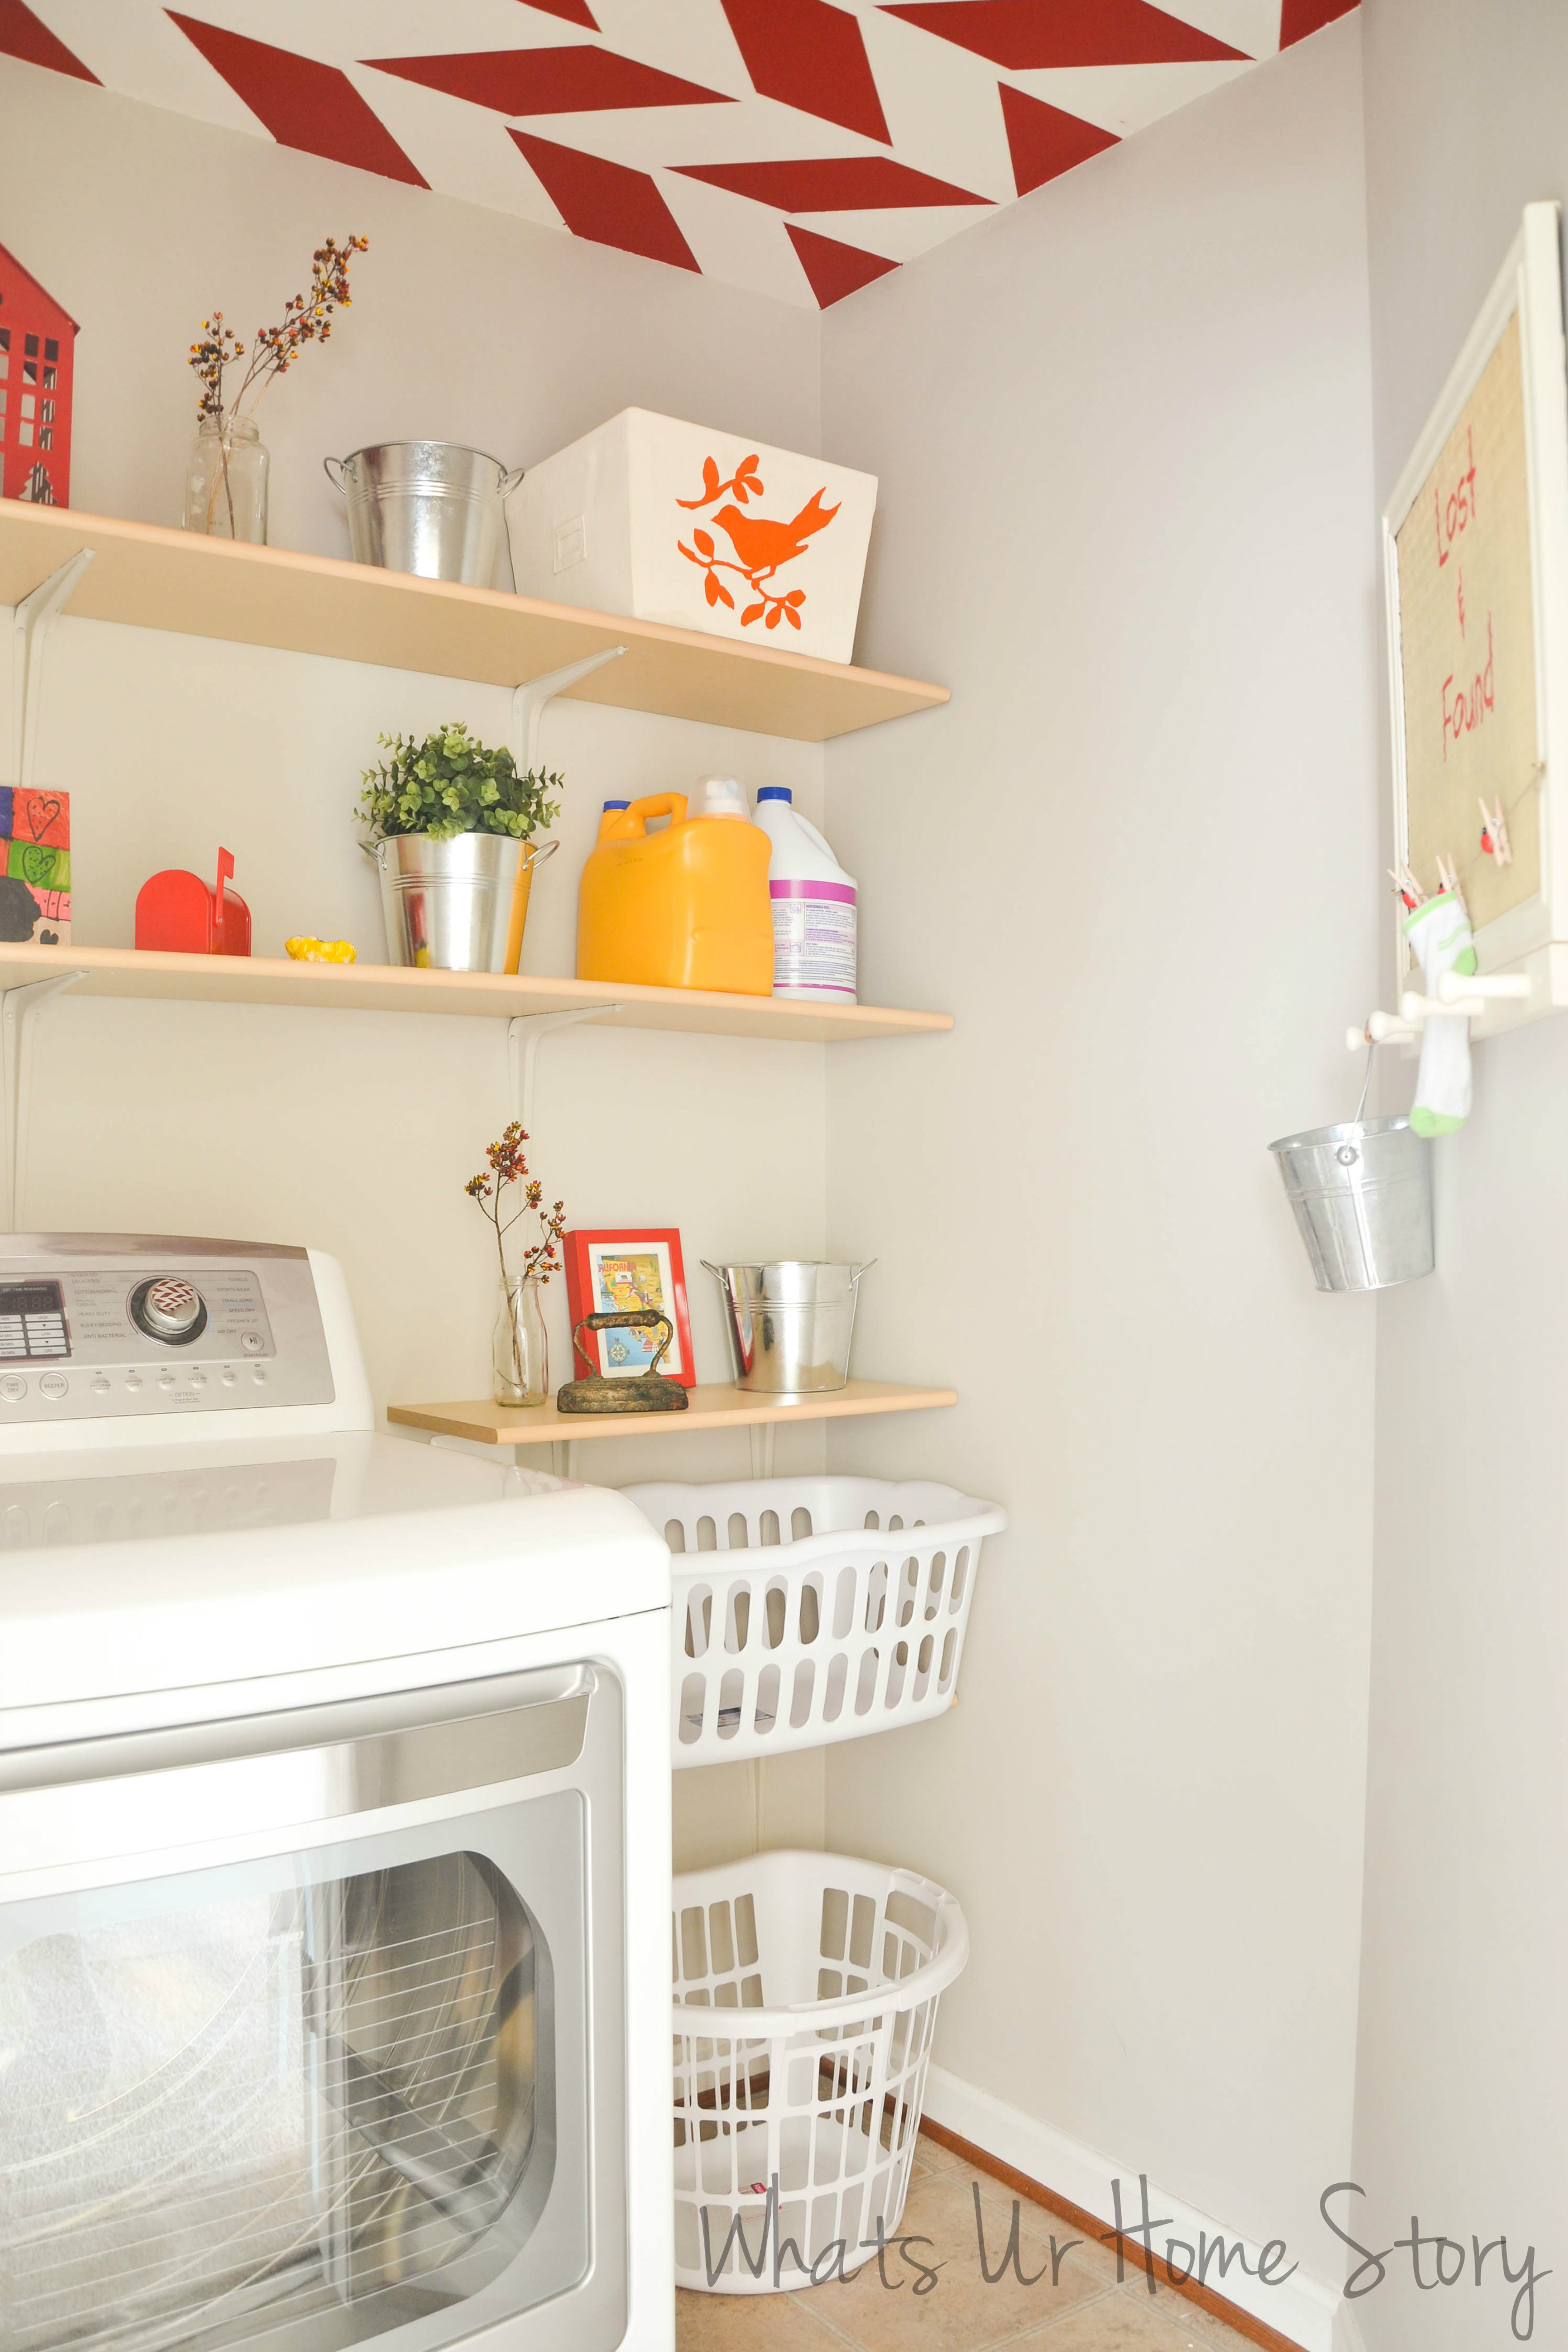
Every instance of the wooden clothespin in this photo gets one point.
(1494, 833)
(1448, 880)
(1408, 889)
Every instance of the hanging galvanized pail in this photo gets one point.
(429, 506)
(1362, 1198)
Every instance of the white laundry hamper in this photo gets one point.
(833, 1967)
(812, 1610)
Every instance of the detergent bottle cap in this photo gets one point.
(775, 792)
(721, 797)
(617, 805)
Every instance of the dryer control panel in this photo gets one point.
(114, 1326)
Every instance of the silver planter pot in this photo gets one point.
(427, 506)
(789, 1324)
(448, 904)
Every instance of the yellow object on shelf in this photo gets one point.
(686, 907)
(306, 950)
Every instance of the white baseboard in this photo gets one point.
(1300, 2307)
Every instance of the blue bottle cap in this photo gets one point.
(775, 792)
(613, 805)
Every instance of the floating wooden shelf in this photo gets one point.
(159, 579)
(389, 988)
(714, 1406)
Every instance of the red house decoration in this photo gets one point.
(38, 342)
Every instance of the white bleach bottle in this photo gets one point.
(814, 905)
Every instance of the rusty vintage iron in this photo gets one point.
(649, 1391)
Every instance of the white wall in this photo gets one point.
(1123, 435)
(352, 1131)
(1464, 2042)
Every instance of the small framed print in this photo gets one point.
(609, 1271)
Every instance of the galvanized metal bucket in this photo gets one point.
(1362, 1198)
(790, 1323)
(450, 905)
(429, 506)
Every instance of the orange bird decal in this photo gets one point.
(761, 545)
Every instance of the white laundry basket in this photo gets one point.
(799, 2132)
(815, 1608)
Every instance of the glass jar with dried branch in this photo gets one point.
(225, 481)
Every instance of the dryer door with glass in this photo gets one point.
(340, 2091)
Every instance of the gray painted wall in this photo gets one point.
(1464, 2036)
(1123, 437)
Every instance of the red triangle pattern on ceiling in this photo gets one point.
(921, 95)
(838, 183)
(1044, 141)
(1300, 18)
(575, 78)
(835, 269)
(21, 35)
(575, 12)
(1026, 34)
(303, 103)
(808, 55)
(607, 203)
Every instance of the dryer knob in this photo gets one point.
(171, 1308)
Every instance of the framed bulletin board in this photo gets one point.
(1475, 541)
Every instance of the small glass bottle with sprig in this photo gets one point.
(226, 476)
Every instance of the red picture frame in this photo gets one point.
(611, 1266)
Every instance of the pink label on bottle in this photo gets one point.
(814, 936)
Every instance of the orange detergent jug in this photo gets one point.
(684, 907)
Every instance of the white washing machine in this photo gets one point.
(334, 1843)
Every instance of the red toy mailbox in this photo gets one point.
(176, 912)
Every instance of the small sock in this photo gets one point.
(1439, 934)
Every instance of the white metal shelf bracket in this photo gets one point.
(19, 1007)
(529, 699)
(524, 1032)
(33, 624)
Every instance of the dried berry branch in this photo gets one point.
(307, 319)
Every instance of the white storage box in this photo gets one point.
(835, 1966)
(774, 544)
(815, 1608)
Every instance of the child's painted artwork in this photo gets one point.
(35, 868)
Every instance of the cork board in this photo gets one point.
(1467, 648)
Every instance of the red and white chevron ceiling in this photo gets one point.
(799, 147)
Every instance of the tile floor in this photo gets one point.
(1084, 2310)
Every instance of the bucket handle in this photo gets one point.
(531, 855)
(518, 916)
(335, 478)
(509, 481)
(718, 1273)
